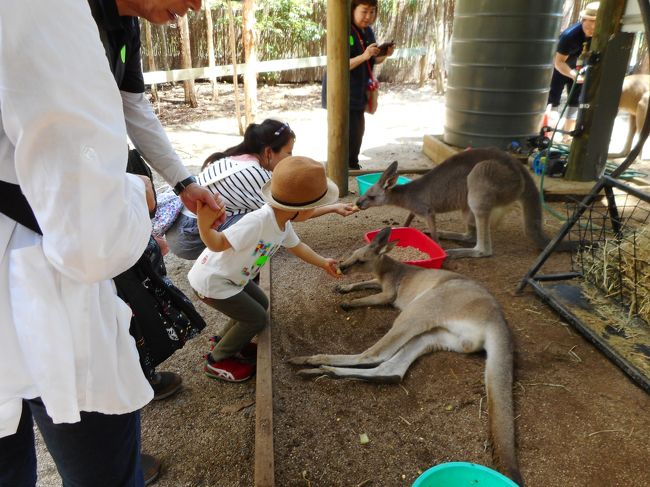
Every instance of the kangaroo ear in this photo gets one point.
(389, 176)
(388, 247)
(381, 239)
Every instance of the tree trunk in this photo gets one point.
(151, 59)
(250, 58)
(165, 50)
(209, 32)
(233, 50)
(186, 60)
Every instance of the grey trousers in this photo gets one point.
(249, 315)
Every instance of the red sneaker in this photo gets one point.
(247, 354)
(228, 369)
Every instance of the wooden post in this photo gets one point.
(587, 157)
(249, 37)
(338, 92)
(233, 52)
(209, 34)
(186, 60)
(151, 61)
(264, 462)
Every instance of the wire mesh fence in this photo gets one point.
(614, 252)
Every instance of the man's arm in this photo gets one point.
(561, 65)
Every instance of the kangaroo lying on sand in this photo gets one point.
(441, 310)
(481, 183)
(634, 101)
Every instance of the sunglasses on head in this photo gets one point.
(281, 129)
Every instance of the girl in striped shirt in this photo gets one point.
(237, 175)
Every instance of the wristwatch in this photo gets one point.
(180, 186)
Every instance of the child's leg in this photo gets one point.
(248, 314)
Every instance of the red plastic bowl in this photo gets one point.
(412, 237)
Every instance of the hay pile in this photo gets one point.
(620, 268)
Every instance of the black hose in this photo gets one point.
(644, 6)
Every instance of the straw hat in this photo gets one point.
(299, 183)
(590, 11)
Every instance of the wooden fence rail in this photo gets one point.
(154, 77)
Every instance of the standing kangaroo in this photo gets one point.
(440, 310)
(481, 183)
(634, 102)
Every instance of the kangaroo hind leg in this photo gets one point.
(483, 247)
(470, 230)
(404, 329)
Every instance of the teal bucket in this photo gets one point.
(462, 474)
(368, 180)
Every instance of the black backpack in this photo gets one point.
(163, 317)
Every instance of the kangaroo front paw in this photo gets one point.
(342, 288)
(346, 306)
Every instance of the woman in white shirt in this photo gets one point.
(237, 175)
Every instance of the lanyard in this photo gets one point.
(372, 76)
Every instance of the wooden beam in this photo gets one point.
(338, 92)
(272, 66)
(587, 157)
(264, 461)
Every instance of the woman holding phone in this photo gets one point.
(364, 54)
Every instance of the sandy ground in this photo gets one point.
(580, 421)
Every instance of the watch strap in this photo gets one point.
(181, 185)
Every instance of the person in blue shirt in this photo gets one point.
(568, 50)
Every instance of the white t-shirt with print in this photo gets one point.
(254, 239)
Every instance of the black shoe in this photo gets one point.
(150, 468)
(165, 384)
(354, 166)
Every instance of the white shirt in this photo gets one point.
(254, 240)
(64, 333)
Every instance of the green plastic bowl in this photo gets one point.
(368, 180)
(462, 474)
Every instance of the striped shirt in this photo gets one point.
(242, 191)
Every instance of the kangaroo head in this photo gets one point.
(376, 194)
(364, 258)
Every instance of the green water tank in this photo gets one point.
(499, 70)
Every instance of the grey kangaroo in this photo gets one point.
(481, 183)
(440, 310)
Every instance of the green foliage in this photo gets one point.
(283, 24)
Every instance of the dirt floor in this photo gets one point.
(580, 420)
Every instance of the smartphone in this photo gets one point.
(383, 48)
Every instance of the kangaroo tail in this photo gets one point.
(498, 382)
(532, 208)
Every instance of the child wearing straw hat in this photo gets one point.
(222, 276)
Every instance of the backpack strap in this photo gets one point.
(14, 204)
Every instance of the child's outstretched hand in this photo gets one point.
(345, 209)
(207, 217)
(331, 266)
